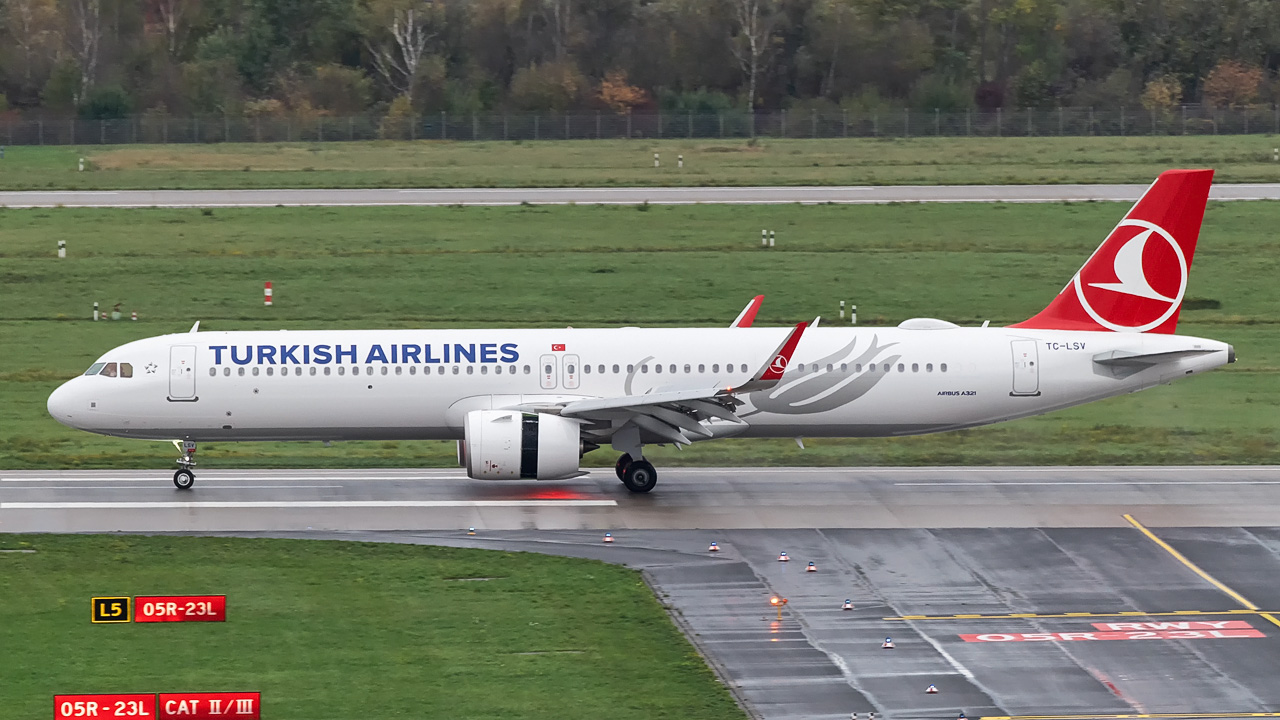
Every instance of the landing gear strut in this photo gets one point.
(639, 476)
(184, 478)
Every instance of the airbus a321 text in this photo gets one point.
(531, 403)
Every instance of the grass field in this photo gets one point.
(964, 161)
(610, 266)
(338, 630)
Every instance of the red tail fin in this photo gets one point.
(1135, 280)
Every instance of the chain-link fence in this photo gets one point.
(1076, 122)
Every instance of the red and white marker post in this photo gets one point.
(266, 294)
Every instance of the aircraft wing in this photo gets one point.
(676, 414)
(748, 314)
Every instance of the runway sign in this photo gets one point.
(181, 608)
(132, 706)
(109, 610)
(211, 706)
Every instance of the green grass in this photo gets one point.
(1240, 158)
(349, 630)
(611, 266)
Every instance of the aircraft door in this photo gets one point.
(182, 372)
(1026, 373)
(571, 371)
(547, 368)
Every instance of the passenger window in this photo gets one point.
(471, 369)
(687, 369)
(586, 370)
(915, 367)
(94, 369)
(702, 368)
(455, 369)
(109, 370)
(656, 368)
(857, 368)
(326, 370)
(298, 371)
(672, 368)
(255, 370)
(928, 367)
(830, 367)
(413, 369)
(384, 369)
(844, 367)
(943, 367)
(902, 367)
(744, 367)
(871, 367)
(240, 372)
(213, 371)
(526, 370)
(601, 369)
(484, 369)
(715, 367)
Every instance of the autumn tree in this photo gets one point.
(1232, 83)
(1162, 93)
(620, 95)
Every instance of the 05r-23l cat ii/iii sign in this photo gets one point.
(531, 403)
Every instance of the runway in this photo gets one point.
(686, 498)
(1039, 593)
(605, 196)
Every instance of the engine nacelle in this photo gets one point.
(509, 445)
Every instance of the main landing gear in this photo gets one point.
(184, 478)
(638, 475)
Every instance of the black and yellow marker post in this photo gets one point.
(111, 610)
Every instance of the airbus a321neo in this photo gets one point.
(531, 403)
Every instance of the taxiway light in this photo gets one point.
(960, 716)
(778, 602)
(471, 531)
(811, 568)
(887, 644)
(782, 557)
(608, 538)
(848, 604)
(931, 690)
(714, 547)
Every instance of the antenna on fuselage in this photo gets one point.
(195, 328)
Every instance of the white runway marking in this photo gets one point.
(1001, 483)
(287, 504)
(204, 487)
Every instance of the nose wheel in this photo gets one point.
(185, 478)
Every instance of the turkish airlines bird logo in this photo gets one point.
(778, 364)
(1136, 280)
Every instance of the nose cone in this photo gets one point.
(62, 404)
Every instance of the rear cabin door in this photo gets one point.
(1026, 373)
(547, 369)
(182, 372)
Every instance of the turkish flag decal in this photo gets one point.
(557, 347)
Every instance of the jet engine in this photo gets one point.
(509, 445)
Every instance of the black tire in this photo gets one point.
(640, 477)
(184, 479)
(621, 466)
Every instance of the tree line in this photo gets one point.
(259, 58)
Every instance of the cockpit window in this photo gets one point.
(126, 370)
(109, 370)
(94, 369)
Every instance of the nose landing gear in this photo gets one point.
(183, 479)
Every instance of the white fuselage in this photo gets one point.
(419, 384)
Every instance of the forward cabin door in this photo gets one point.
(182, 372)
(1026, 372)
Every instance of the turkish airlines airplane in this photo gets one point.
(531, 403)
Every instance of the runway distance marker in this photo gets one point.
(135, 706)
(210, 706)
(180, 608)
(107, 610)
